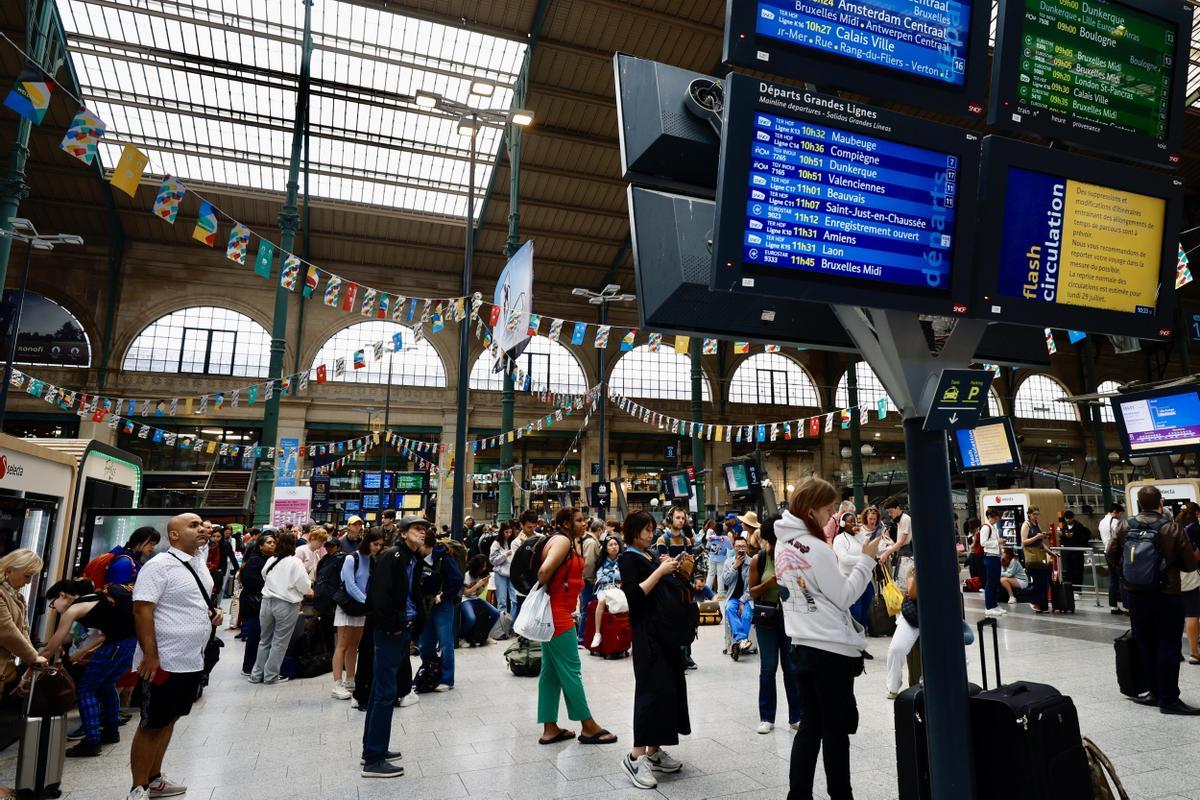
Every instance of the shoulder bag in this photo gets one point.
(765, 614)
(212, 649)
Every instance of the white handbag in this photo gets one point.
(536, 620)
(1189, 580)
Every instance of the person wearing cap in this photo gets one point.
(354, 530)
(739, 608)
(395, 613)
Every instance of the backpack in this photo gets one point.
(329, 581)
(524, 657)
(1143, 566)
(673, 615)
(459, 551)
(429, 676)
(526, 562)
(96, 570)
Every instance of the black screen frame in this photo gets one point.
(1140, 147)
(995, 469)
(1000, 153)
(1119, 419)
(744, 97)
(743, 44)
(669, 490)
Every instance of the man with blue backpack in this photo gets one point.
(1152, 551)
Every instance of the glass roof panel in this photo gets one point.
(207, 89)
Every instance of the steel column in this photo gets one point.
(856, 465)
(696, 348)
(464, 349)
(1095, 422)
(504, 510)
(289, 223)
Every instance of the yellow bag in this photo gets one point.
(891, 595)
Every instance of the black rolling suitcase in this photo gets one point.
(1062, 597)
(912, 747)
(1130, 678)
(1037, 730)
(41, 754)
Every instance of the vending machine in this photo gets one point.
(1013, 505)
(1175, 492)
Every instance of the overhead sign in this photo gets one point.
(1194, 327)
(514, 297)
(320, 492)
(960, 399)
(290, 504)
(289, 448)
(49, 333)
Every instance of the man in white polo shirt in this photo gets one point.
(173, 621)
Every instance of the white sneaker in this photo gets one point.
(766, 727)
(410, 699)
(443, 687)
(994, 612)
(1012, 601)
(138, 793)
(662, 762)
(640, 773)
(164, 787)
(595, 641)
(340, 692)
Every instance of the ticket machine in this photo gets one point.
(1013, 505)
(1175, 492)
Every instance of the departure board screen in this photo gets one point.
(1101, 62)
(923, 38)
(1075, 243)
(824, 200)
(990, 445)
(1164, 421)
(1095, 72)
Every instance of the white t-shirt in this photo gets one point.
(989, 539)
(1107, 526)
(181, 621)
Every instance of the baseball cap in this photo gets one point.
(354, 520)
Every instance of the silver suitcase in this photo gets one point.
(41, 754)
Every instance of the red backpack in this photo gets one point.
(96, 570)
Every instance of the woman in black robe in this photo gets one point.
(660, 711)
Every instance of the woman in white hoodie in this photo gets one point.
(827, 643)
(285, 585)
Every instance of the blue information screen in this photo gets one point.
(370, 480)
(848, 205)
(926, 38)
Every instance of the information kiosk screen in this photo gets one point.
(1103, 74)
(820, 194)
(1161, 422)
(1084, 244)
(989, 446)
(926, 53)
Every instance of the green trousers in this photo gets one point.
(561, 673)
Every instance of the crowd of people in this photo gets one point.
(802, 590)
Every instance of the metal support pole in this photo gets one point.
(116, 269)
(307, 255)
(1093, 412)
(14, 330)
(387, 420)
(289, 222)
(696, 346)
(504, 510)
(602, 407)
(13, 188)
(464, 348)
(856, 465)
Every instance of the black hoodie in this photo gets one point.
(388, 592)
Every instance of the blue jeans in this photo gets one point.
(506, 595)
(585, 599)
(472, 609)
(861, 609)
(775, 648)
(377, 727)
(439, 634)
(991, 580)
(251, 629)
(739, 613)
(99, 703)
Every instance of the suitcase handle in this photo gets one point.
(984, 623)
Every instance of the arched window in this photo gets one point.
(204, 340)
(417, 364)
(1037, 398)
(50, 336)
(550, 366)
(1106, 412)
(870, 389)
(994, 407)
(775, 379)
(665, 375)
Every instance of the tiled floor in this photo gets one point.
(294, 742)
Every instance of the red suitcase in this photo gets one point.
(616, 637)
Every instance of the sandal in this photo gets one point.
(561, 736)
(598, 738)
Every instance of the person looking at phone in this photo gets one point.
(173, 622)
(739, 608)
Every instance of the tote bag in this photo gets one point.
(536, 620)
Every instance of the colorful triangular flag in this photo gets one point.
(170, 195)
(129, 169)
(206, 225)
(83, 135)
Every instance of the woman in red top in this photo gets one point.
(561, 573)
